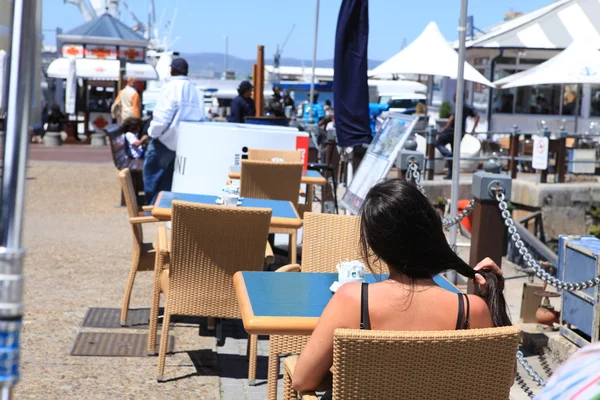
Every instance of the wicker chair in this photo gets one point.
(273, 181)
(327, 240)
(144, 254)
(209, 244)
(464, 364)
(288, 156)
(269, 155)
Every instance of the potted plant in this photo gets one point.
(445, 111)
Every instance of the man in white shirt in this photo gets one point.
(179, 101)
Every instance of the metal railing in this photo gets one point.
(557, 152)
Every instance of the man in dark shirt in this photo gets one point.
(275, 105)
(243, 105)
(447, 135)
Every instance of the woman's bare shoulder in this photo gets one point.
(480, 317)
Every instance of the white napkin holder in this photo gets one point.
(348, 271)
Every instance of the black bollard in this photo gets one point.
(488, 229)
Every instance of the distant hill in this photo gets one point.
(209, 63)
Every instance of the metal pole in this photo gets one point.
(24, 50)
(314, 64)
(458, 120)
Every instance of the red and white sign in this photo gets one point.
(540, 152)
(131, 53)
(72, 50)
(206, 150)
(101, 52)
(98, 121)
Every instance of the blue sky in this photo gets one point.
(201, 24)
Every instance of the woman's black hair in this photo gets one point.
(400, 227)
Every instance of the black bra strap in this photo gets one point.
(459, 319)
(365, 323)
(466, 326)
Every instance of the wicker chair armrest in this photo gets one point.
(289, 364)
(290, 268)
(142, 220)
(147, 208)
(269, 256)
(163, 244)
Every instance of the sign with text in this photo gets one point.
(379, 159)
(540, 152)
(206, 151)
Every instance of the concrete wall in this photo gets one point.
(564, 205)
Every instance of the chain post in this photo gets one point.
(561, 156)
(513, 151)
(488, 232)
(403, 162)
(430, 165)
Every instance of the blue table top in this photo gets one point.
(280, 208)
(304, 294)
(305, 173)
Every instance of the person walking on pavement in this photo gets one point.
(127, 104)
(447, 135)
(243, 105)
(179, 101)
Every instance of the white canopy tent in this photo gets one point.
(429, 54)
(577, 64)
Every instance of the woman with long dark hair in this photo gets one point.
(401, 229)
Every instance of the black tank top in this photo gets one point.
(462, 320)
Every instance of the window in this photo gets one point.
(595, 106)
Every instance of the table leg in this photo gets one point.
(309, 197)
(293, 247)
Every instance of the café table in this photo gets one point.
(309, 178)
(284, 217)
(289, 303)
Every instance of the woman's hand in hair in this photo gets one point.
(489, 265)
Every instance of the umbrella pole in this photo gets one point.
(26, 27)
(314, 64)
(458, 125)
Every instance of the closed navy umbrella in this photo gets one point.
(350, 87)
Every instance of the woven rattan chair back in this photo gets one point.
(464, 364)
(131, 202)
(271, 180)
(329, 239)
(210, 243)
(269, 155)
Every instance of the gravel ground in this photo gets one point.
(79, 249)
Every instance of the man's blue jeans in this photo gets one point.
(444, 138)
(159, 163)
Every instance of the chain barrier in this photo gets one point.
(528, 258)
(446, 223)
(529, 369)
(412, 173)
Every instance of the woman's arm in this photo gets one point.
(317, 357)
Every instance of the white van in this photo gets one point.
(402, 102)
